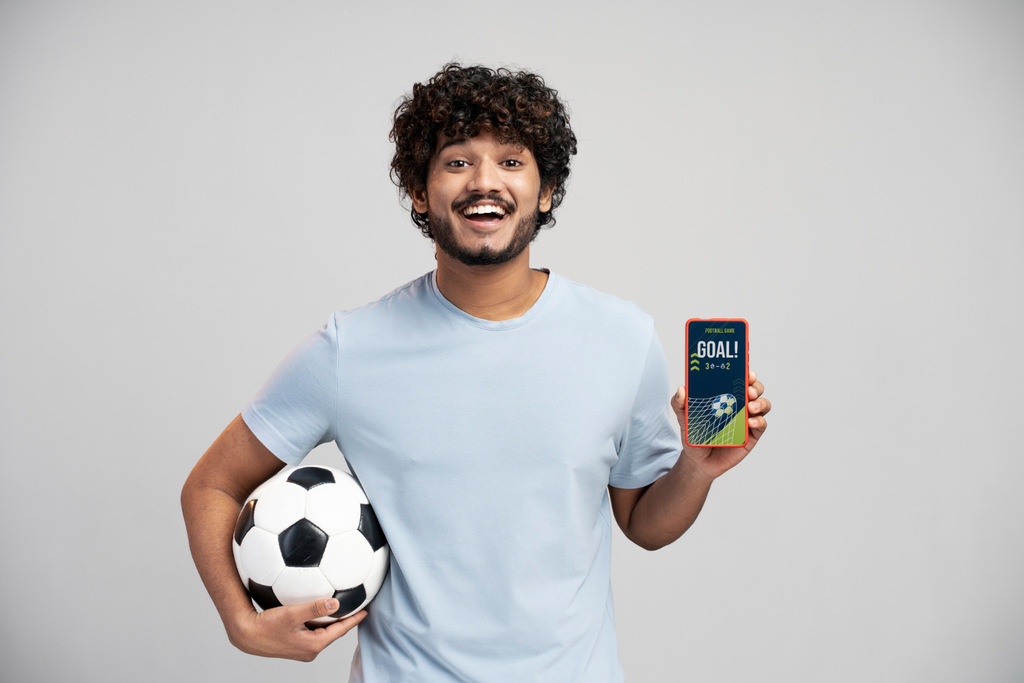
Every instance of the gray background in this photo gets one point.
(188, 188)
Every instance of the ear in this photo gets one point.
(545, 199)
(419, 199)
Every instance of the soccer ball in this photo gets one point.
(724, 405)
(309, 533)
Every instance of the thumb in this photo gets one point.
(679, 402)
(319, 609)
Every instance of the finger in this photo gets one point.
(759, 407)
(756, 428)
(751, 377)
(757, 424)
(312, 640)
(754, 390)
(333, 631)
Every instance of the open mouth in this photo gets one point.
(484, 213)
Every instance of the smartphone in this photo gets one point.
(716, 382)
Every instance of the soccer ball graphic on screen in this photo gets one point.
(309, 533)
(724, 405)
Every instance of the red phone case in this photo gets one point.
(716, 388)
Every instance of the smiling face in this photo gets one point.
(482, 198)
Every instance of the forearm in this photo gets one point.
(219, 484)
(668, 507)
(210, 516)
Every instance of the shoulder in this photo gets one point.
(603, 308)
(393, 306)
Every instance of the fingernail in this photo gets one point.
(331, 604)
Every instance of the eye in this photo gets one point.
(456, 163)
(513, 163)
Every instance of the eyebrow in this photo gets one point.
(464, 140)
(452, 141)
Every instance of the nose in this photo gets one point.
(485, 178)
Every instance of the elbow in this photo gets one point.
(652, 546)
(187, 495)
(647, 543)
(191, 494)
(188, 487)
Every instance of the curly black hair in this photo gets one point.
(462, 102)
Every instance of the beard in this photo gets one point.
(525, 232)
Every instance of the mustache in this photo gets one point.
(476, 198)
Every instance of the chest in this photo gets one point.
(539, 417)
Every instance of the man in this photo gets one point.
(496, 415)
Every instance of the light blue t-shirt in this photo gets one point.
(486, 449)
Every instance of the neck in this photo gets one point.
(500, 292)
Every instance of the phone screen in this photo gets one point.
(716, 382)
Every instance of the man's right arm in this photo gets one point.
(211, 499)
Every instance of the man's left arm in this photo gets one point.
(658, 514)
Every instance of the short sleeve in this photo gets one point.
(294, 411)
(650, 444)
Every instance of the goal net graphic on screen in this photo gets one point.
(717, 420)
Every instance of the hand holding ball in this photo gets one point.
(309, 533)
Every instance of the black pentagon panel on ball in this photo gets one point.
(308, 477)
(244, 522)
(302, 544)
(263, 595)
(370, 528)
(349, 599)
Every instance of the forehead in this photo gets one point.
(486, 140)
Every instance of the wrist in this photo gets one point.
(692, 466)
(238, 621)
(239, 629)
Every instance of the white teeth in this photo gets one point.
(484, 208)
